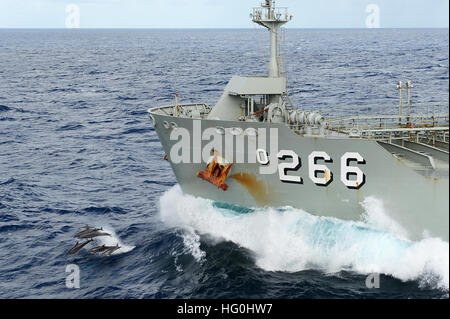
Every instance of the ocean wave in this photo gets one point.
(63, 90)
(9, 119)
(137, 131)
(14, 227)
(291, 240)
(4, 108)
(126, 98)
(70, 127)
(7, 217)
(9, 181)
(158, 182)
(103, 210)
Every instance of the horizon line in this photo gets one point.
(215, 28)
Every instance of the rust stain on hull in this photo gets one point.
(327, 176)
(257, 189)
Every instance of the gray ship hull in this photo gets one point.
(417, 201)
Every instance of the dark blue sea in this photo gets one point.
(77, 148)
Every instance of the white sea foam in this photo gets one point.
(375, 216)
(292, 240)
(191, 241)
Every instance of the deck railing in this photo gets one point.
(435, 116)
(278, 14)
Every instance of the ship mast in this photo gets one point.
(272, 18)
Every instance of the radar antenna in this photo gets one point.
(272, 18)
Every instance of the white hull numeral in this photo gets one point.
(315, 168)
(351, 176)
(347, 170)
(262, 157)
(283, 168)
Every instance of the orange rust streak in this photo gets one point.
(327, 176)
(256, 188)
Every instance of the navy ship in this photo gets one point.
(255, 148)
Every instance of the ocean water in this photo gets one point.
(77, 148)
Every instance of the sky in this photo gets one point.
(220, 13)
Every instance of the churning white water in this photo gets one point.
(292, 240)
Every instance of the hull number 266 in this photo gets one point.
(351, 176)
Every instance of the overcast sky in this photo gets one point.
(218, 13)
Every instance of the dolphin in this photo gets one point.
(99, 249)
(86, 230)
(78, 247)
(110, 250)
(92, 234)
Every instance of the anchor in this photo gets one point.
(216, 172)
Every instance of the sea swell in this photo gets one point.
(291, 240)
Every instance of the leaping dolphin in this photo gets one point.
(78, 247)
(99, 249)
(86, 230)
(92, 234)
(110, 250)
